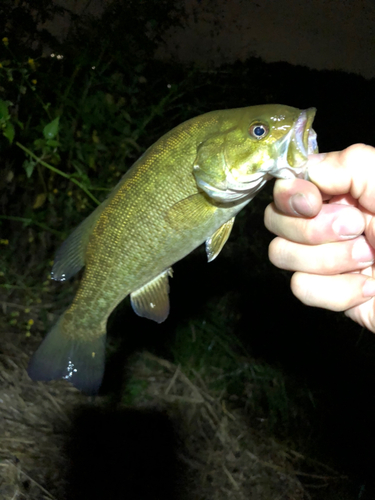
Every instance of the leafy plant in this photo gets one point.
(6, 125)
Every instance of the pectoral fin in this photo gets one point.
(190, 212)
(70, 257)
(151, 301)
(218, 240)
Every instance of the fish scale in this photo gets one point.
(185, 190)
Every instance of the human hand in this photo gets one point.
(326, 232)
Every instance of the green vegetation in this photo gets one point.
(72, 122)
(74, 116)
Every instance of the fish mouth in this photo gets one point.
(303, 141)
(292, 150)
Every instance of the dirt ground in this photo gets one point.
(168, 437)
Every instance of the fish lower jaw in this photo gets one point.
(285, 171)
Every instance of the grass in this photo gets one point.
(70, 128)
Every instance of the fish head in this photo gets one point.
(253, 145)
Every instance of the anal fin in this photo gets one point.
(215, 243)
(151, 301)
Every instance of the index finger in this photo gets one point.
(349, 171)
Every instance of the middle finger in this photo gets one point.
(334, 222)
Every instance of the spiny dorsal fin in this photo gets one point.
(218, 240)
(151, 301)
(70, 257)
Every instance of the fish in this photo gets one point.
(186, 189)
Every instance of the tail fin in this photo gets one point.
(81, 362)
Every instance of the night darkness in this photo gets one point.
(316, 349)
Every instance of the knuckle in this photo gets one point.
(357, 153)
(370, 232)
(311, 231)
(299, 288)
(359, 161)
(276, 252)
(269, 216)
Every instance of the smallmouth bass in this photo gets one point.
(186, 189)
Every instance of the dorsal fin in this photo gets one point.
(70, 257)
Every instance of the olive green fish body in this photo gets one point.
(139, 217)
(186, 189)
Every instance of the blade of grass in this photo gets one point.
(30, 221)
(59, 172)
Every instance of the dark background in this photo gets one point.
(320, 352)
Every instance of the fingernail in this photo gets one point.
(349, 225)
(300, 205)
(368, 289)
(362, 252)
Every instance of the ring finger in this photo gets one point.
(326, 259)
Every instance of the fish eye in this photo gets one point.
(258, 130)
